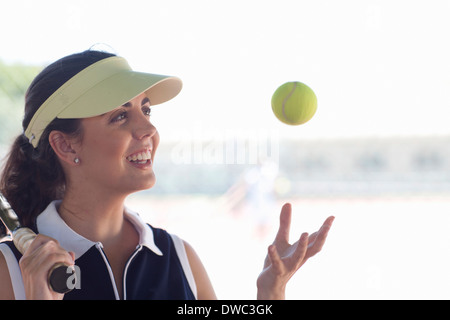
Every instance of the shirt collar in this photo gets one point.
(52, 225)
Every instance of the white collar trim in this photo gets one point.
(52, 225)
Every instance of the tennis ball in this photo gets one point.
(294, 103)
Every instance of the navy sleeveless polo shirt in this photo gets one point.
(158, 269)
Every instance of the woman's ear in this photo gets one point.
(63, 146)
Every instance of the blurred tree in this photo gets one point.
(14, 81)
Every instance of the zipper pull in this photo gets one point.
(99, 245)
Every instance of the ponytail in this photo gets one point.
(33, 177)
(29, 183)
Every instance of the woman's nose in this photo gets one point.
(144, 129)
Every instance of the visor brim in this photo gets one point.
(120, 89)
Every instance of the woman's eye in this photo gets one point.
(120, 117)
(147, 111)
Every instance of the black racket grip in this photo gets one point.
(62, 278)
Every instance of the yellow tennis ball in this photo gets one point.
(294, 103)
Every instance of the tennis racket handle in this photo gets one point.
(60, 276)
(22, 238)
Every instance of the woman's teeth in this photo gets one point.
(141, 157)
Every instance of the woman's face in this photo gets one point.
(118, 148)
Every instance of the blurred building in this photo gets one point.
(339, 167)
(370, 166)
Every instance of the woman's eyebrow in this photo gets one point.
(144, 101)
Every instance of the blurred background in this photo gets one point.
(376, 155)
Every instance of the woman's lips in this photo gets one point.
(142, 158)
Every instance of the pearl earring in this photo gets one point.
(76, 160)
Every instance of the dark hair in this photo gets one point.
(33, 177)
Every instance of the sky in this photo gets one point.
(378, 68)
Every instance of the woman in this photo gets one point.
(88, 143)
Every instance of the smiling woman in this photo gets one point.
(109, 142)
(88, 143)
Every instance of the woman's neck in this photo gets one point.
(96, 217)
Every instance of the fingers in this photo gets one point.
(323, 231)
(317, 239)
(300, 252)
(46, 246)
(328, 222)
(292, 263)
(72, 255)
(285, 224)
(275, 259)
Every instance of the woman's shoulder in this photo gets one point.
(6, 290)
(190, 261)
